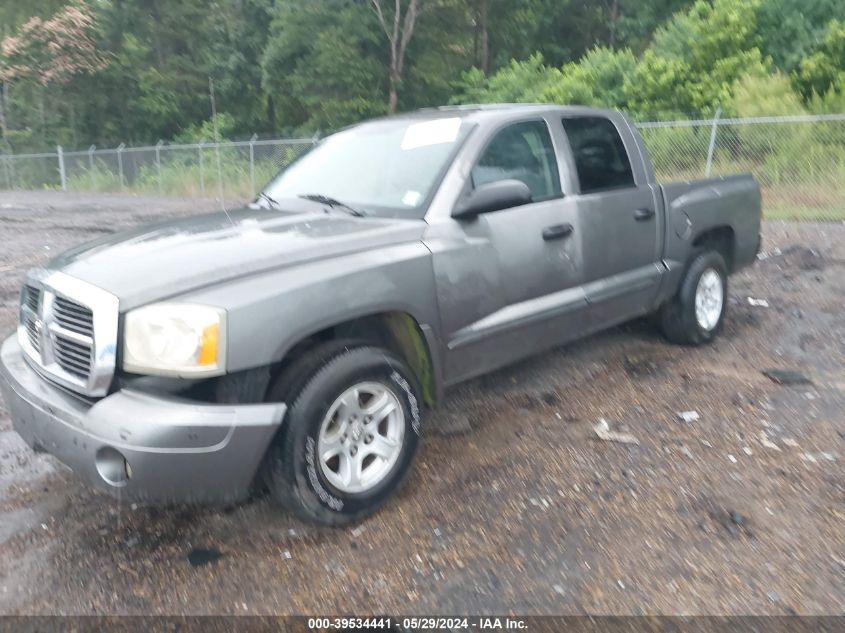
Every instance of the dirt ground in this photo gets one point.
(741, 511)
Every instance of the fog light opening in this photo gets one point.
(113, 467)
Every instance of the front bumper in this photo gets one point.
(139, 446)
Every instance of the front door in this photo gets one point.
(526, 254)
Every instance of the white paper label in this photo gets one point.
(411, 198)
(431, 133)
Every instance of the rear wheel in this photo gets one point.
(349, 437)
(696, 313)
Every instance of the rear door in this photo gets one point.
(619, 219)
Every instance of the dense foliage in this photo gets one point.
(136, 71)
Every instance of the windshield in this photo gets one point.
(387, 167)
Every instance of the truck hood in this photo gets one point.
(164, 260)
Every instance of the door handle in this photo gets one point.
(641, 215)
(557, 231)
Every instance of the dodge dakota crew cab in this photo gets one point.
(297, 343)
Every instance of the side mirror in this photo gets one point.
(502, 194)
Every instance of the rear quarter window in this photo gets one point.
(601, 160)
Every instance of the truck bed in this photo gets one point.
(730, 205)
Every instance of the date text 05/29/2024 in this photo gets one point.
(418, 624)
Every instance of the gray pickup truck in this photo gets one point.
(295, 344)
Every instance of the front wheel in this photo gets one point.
(349, 437)
(695, 315)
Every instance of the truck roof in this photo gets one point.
(505, 110)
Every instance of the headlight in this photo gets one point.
(175, 339)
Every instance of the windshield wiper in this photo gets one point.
(333, 203)
(270, 199)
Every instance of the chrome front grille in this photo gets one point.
(73, 357)
(68, 330)
(73, 316)
(30, 309)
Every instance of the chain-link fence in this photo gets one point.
(235, 169)
(799, 162)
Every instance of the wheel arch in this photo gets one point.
(397, 330)
(722, 239)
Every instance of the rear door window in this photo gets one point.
(522, 151)
(600, 157)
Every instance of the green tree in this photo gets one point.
(46, 54)
(323, 64)
(598, 79)
(790, 30)
(824, 70)
(517, 82)
(398, 25)
(239, 37)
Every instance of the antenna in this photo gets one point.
(217, 149)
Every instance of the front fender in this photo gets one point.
(271, 312)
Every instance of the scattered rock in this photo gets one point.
(767, 443)
(201, 556)
(758, 303)
(603, 432)
(804, 258)
(132, 540)
(558, 589)
(640, 367)
(788, 441)
(689, 416)
(817, 457)
(787, 377)
(775, 252)
(732, 459)
(773, 596)
(735, 523)
(452, 423)
(358, 531)
(550, 398)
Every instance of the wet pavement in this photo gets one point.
(516, 504)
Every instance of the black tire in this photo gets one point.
(677, 317)
(292, 471)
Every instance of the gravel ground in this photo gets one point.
(741, 511)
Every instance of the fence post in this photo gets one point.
(91, 167)
(252, 162)
(6, 172)
(120, 163)
(202, 174)
(61, 157)
(158, 164)
(712, 147)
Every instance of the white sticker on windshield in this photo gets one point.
(411, 198)
(431, 133)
